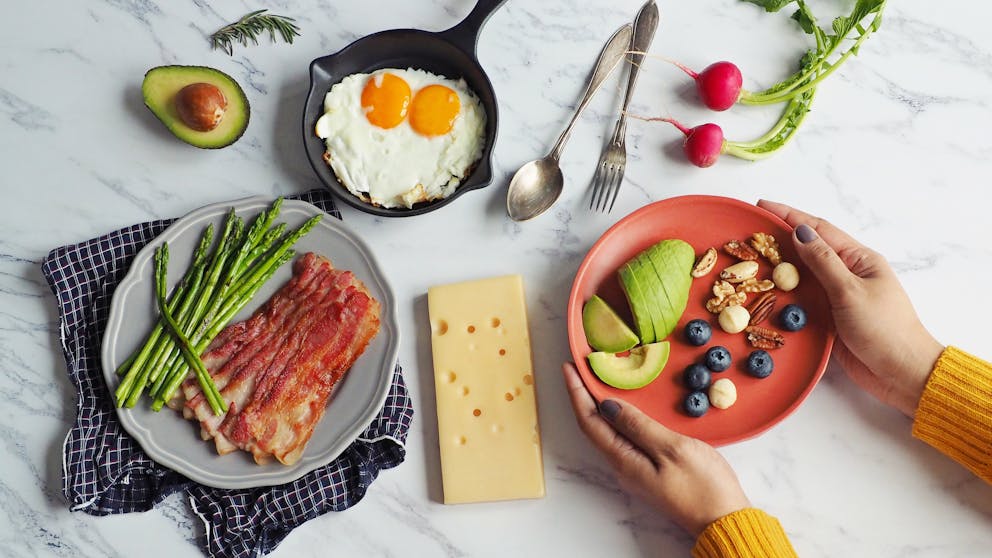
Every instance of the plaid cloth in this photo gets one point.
(106, 472)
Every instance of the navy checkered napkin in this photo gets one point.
(105, 471)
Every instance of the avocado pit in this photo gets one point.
(201, 106)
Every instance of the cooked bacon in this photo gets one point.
(238, 375)
(277, 369)
(280, 421)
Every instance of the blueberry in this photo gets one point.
(698, 332)
(696, 377)
(718, 359)
(696, 404)
(760, 364)
(792, 317)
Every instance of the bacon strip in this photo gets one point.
(277, 369)
(281, 421)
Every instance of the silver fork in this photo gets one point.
(613, 161)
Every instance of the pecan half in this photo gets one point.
(705, 263)
(764, 338)
(741, 251)
(767, 246)
(762, 307)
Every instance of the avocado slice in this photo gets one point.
(672, 260)
(633, 371)
(659, 267)
(638, 304)
(653, 292)
(161, 87)
(605, 330)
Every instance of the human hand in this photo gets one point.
(683, 477)
(882, 346)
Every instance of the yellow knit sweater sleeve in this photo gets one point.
(955, 411)
(748, 533)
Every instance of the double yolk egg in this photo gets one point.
(399, 137)
(388, 101)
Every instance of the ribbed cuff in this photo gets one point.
(955, 411)
(748, 533)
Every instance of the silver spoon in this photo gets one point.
(536, 186)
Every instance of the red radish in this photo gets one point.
(719, 84)
(703, 144)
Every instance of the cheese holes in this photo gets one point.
(517, 391)
(471, 329)
(502, 352)
(442, 327)
(451, 377)
(495, 322)
(508, 396)
(465, 391)
(528, 379)
(462, 440)
(477, 412)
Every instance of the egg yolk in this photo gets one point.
(386, 99)
(433, 110)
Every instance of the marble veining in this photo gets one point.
(895, 151)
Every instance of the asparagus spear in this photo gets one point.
(217, 403)
(191, 317)
(156, 342)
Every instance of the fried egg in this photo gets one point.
(399, 137)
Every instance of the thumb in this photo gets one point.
(823, 261)
(649, 435)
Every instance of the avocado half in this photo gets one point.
(160, 86)
(635, 370)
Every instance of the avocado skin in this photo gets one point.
(162, 83)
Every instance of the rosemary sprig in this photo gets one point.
(250, 27)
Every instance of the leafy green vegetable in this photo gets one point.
(827, 45)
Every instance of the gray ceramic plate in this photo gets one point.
(174, 442)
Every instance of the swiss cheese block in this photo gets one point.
(486, 405)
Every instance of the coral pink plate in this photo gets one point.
(705, 221)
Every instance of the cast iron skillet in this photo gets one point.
(450, 53)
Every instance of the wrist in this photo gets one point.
(919, 370)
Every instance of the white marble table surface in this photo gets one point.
(895, 151)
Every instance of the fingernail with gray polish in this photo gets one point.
(609, 409)
(805, 233)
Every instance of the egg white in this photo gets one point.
(398, 167)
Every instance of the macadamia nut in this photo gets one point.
(733, 319)
(723, 393)
(786, 276)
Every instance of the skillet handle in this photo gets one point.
(466, 33)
